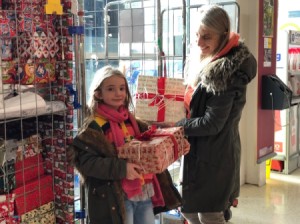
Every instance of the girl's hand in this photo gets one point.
(133, 171)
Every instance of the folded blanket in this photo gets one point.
(23, 105)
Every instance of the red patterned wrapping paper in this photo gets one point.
(29, 169)
(7, 24)
(7, 205)
(155, 155)
(160, 99)
(29, 147)
(34, 194)
(8, 72)
(40, 215)
(9, 220)
(38, 45)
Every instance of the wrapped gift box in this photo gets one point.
(45, 218)
(29, 147)
(29, 169)
(160, 99)
(33, 194)
(8, 72)
(6, 49)
(7, 24)
(163, 148)
(42, 214)
(7, 205)
(9, 220)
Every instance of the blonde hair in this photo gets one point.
(216, 19)
(100, 75)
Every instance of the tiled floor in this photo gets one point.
(277, 202)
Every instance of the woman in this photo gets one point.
(217, 73)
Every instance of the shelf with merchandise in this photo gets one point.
(37, 109)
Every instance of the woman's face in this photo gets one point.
(207, 40)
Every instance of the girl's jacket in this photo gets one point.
(102, 171)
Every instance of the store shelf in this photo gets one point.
(287, 122)
(289, 164)
(36, 113)
(294, 156)
(279, 157)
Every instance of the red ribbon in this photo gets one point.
(147, 135)
(159, 98)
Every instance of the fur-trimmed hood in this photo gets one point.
(238, 67)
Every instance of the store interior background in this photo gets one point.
(288, 20)
(257, 126)
(254, 119)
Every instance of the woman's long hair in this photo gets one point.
(216, 19)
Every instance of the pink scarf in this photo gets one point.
(115, 117)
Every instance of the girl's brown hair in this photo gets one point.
(100, 75)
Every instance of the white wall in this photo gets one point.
(284, 22)
(251, 172)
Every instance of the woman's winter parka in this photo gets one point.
(211, 169)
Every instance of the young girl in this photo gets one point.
(116, 192)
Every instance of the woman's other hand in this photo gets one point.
(162, 124)
(186, 148)
(133, 171)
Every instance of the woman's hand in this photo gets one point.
(162, 124)
(133, 171)
(186, 148)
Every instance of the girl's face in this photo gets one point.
(113, 91)
(207, 40)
